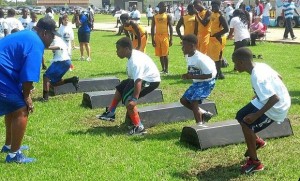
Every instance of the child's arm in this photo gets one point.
(170, 30)
(190, 76)
(152, 31)
(54, 48)
(136, 30)
(179, 24)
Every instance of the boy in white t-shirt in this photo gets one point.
(33, 22)
(271, 104)
(25, 19)
(202, 70)
(60, 64)
(143, 78)
(67, 34)
(12, 22)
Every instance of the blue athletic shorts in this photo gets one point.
(258, 125)
(10, 103)
(57, 70)
(199, 90)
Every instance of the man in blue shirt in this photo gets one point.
(288, 11)
(20, 63)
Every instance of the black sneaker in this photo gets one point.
(107, 116)
(75, 81)
(137, 130)
(206, 116)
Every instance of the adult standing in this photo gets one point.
(288, 11)
(228, 12)
(266, 13)
(258, 10)
(16, 78)
(84, 32)
(149, 12)
(135, 15)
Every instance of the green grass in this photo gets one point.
(71, 144)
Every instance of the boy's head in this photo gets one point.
(189, 44)
(198, 5)
(242, 58)
(33, 17)
(25, 12)
(190, 9)
(162, 7)
(124, 47)
(11, 13)
(215, 6)
(14, 30)
(124, 18)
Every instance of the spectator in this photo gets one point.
(61, 13)
(33, 22)
(177, 14)
(49, 13)
(135, 15)
(266, 13)
(27, 47)
(256, 30)
(12, 22)
(258, 8)
(228, 12)
(149, 12)
(84, 32)
(288, 11)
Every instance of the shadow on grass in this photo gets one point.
(112, 35)
(295, 96)
(216, 173)
(110, 74)
(101, 130)
(297, 67)
(164, 135)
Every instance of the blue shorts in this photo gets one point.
(258, 125)
(266, 20)
(199, 90)
(57, 70)
(10, 104)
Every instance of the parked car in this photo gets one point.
(39, 9)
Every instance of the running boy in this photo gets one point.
(138, 33)
(202, 70)
(271, 104)
(162, 38)
(60, 65)
(143, 78)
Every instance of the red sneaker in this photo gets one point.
(260, 143)
(252, 166)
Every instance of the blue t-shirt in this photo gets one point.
(21, 56)
(84, 24)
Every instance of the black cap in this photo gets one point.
(48, 24)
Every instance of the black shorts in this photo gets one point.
(84, 37)
(259, 124)
(126, 89)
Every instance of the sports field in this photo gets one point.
(70, 143)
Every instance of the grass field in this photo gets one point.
(71, 144)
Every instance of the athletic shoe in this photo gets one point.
(107, 116)
(137, 130)
(88, 59)
(6, 150)
(81, 58)
(75, 81)
(206, 116)
(252, 166)
(19, 158)
(260, 143)
(294, 38)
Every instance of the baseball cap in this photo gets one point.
(48, 24)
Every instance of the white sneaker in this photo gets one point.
(137, 130)
(88, 59)
(81, 58)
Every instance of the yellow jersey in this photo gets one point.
(161, 23)
(203, 29)
(131, 30)
(189, 24)
(215, 23)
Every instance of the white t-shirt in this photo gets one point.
(228, 11)
(266, 83)
(241, 31)
(141, 66)
(3, 26)
(67, 35)
(267, 8)
(149, 12)
(200, 64)
(62, 54)
(13, 23)
(136, 14)
(25, 22)
(31, 25)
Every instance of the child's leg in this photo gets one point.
(162, 63)
(166, 64)
(134, 115)
(88, 49)
(196, 111)
(81, 49)
(250, 138)
(114, 103)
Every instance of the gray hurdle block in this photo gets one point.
(228, 132)
(87, 85)
(100, 99)
(169, 113)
